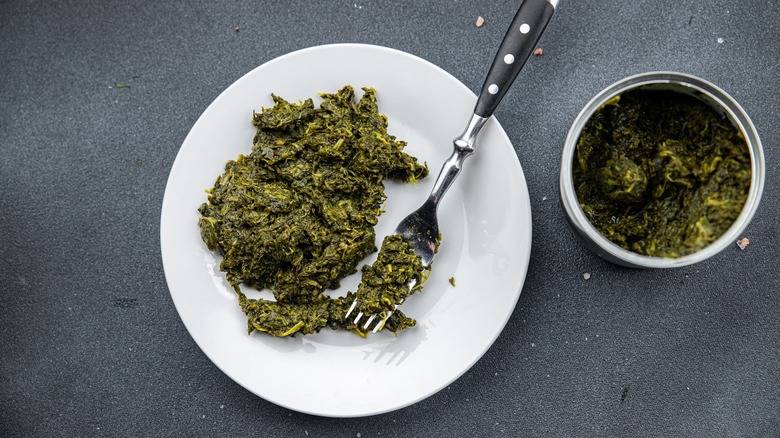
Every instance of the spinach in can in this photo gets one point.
(661, 173)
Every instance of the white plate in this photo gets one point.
(485, 222)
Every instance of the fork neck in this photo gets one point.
(467, 140)
(464, 146)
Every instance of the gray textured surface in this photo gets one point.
(91, 345)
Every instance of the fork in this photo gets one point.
(421, 229)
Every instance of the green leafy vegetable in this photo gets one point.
(297, 214)
(386, 282)
(383, 284)
(661, 173)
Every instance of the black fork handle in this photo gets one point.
(518, 44)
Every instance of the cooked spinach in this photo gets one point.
(383, 284)
(297, 214)
(661, 173)
(386, 282)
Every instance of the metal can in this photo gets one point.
(703, 90)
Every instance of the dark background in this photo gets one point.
(91, 344)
